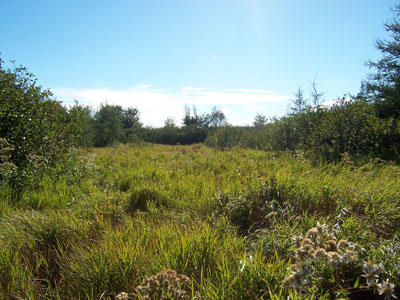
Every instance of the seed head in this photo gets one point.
(320, 253)
(321, 228)
(332, 245)
(313, 232)
(358, 247)
(343, 244)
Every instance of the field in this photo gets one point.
(238, 224)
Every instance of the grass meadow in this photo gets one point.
(190, 222)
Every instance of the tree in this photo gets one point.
(260, 120)
(170, 123)
(38, 130)
(384, 85)
(192, 120)
(316, 96)
(82, 116)
(108, 126)
(215, 119)
(299, 103)
(130, 118)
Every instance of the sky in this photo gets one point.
(242, 56)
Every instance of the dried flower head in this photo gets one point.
(331, 245)
(320, 248)
(321, 228)
(343, 244)
(357, 247)
(166, 285)
(123, 296)
(313, 232)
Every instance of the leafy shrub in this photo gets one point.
(7, 169)
(38, 130)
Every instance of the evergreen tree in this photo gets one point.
(299, 103)
(384, 86)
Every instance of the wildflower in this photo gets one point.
(122, 296)
(349, 255)
(167, 281)
(371, 279)
(358, 248)
(321, 228)
(308, 247)
(298, 240)
(305, 241)
(313, 232)
(323, 244)
(387, 289)
(371, 267)
(288, 280)
(319, 248)
(320, 253)
(343, 244)
(376, 286)
(334, 257)
(303, 253)
(331, 245)
(331, 236)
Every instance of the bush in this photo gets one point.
(37, 130)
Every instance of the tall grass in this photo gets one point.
(224, 219)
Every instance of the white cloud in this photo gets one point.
(156, 105)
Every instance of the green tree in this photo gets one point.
(39, 130)
(299, 103)
(384, 85)
(108, 126)
(259, 121)
(215, 119)
(82, 116)
(130, 118)
(316, 96)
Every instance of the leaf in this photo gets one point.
(342, 292)
(357, 283)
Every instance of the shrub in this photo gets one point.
(37, 129)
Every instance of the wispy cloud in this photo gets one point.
(156, 105)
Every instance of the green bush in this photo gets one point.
(38, 130)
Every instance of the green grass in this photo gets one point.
(225, 219)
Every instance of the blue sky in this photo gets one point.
(243, 56)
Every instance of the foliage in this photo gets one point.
(112, 125)
(325, 134)
(82, 118)
(383, 87)
(39, 130)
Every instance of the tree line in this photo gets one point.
(364, 125)
(112, 125)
